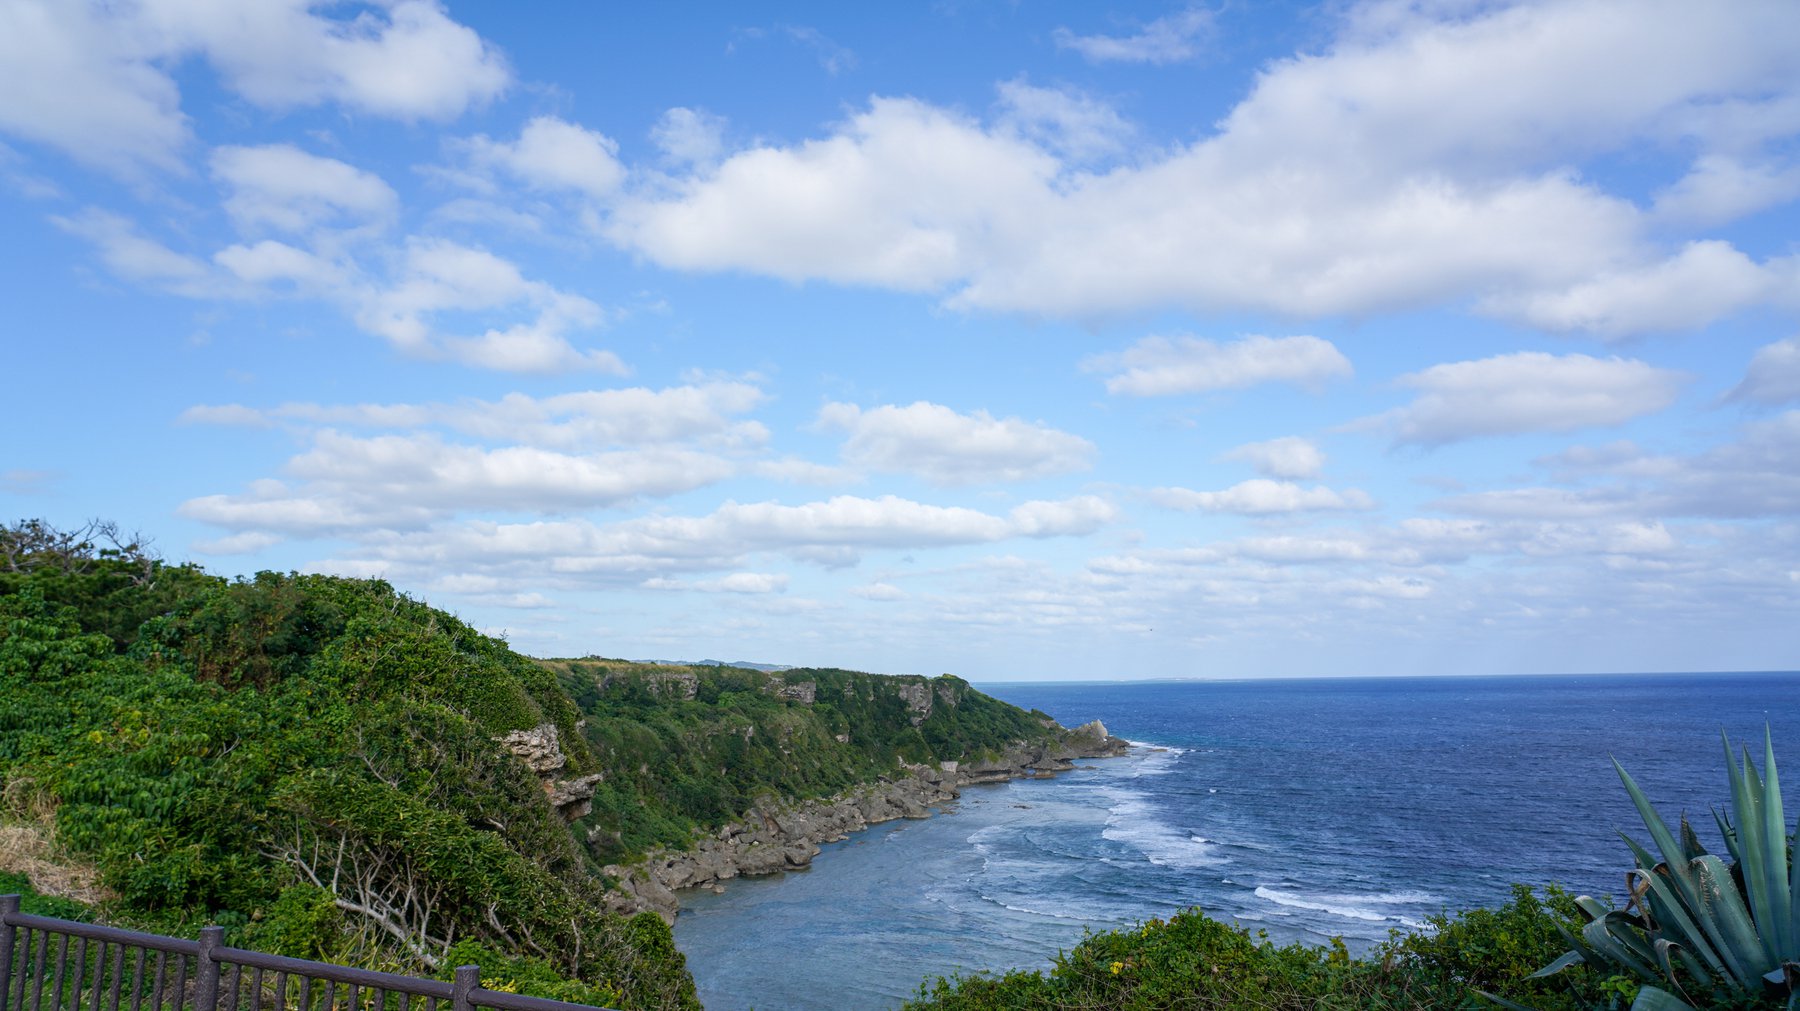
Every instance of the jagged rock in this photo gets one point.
(540, 748)
(572, 798)
(917, 696)
(804, 692)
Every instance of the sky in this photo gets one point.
(1015, 340)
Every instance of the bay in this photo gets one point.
(1310, 809)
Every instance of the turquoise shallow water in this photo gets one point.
(1309, 809)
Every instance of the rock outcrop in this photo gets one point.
(540, 748)
(774, 838)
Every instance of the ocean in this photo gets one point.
(1309, 808)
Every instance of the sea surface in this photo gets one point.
(1310, 809)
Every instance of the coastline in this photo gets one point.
(777, 837)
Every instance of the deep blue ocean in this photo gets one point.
(1309, 809)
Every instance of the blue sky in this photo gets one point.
(1016, 340)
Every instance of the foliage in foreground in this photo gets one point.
(308, 761)
(1698, 933)
(1193, 962)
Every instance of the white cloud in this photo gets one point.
(280, 186)
(1528, 391)
(408, 61)
(1704, 282)
(269, 262)
(82, 83)
(1774, 374)
(441, 276)
(1170, 39)
(93, 80)
(892, 200)
(948, 448)
(1261, 497)
(1074, 125)
(1287, 457)
(1420, 160)
(425, 470)
(1160, 366)
(130, 254)
(553, 154)
(737, 582)
(690, 136)
(832, 533)
(879, 591)
(1721, 188)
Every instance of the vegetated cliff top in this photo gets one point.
(335, 770)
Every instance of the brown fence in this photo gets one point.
(86, 967)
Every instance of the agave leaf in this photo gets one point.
(1677, 927)
(1778, 928)
(1753, 864)
(1691, 846)
(1567, 959)
(1664, 839)
(1729, 833)
(1614, 949)
(1724, 906)
(1651, 999)
(1686, 921)
(1592, 908)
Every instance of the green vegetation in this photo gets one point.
(318, 764)
(691, 748)
(1699, 933)
(332, 770)
(1193, 962)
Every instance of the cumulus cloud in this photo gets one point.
(1704, 282)
(845, 208)
(1073, 124)
(1170, 39)
(1418, 160)
(737, 582)
(1774, 374)
(93, 80)
(1720, 188)
(949, 448)
(1529, 391)
(440, 276)
(1161, 366)
(281, 187)
(832, 532)
(692, 137)
(1261, 497)
(553, 154)
(1286, 457)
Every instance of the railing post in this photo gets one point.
(9, 904)
(206, 969)
(468, 977)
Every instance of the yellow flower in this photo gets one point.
(1116, 966)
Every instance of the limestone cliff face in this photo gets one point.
(540, 748)
(775, 838)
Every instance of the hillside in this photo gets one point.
(334, 770)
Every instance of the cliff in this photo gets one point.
(775, 837)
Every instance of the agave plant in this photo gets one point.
(1695, 931)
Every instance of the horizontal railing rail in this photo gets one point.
(124, 970)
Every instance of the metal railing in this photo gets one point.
(87, 967)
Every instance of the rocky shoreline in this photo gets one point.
(776, 838)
